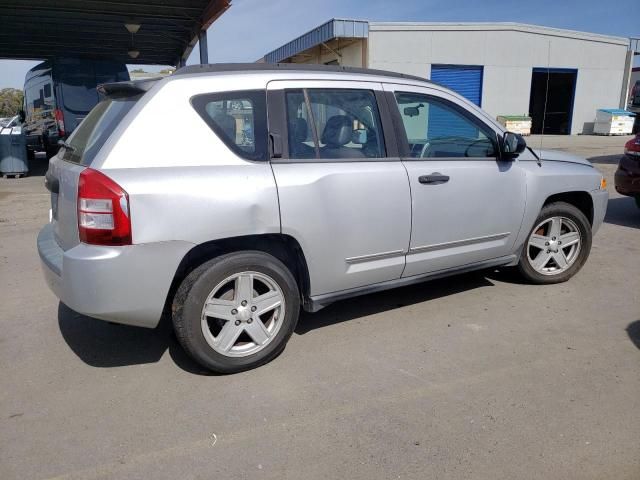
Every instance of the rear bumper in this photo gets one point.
(127, 285)
(600, 200)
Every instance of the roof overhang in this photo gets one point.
(41, 29)
(331, 30)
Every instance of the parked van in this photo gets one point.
(59, 93)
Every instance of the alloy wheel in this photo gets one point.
(554, 245)
(243, 314)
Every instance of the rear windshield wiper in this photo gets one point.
(64, 144)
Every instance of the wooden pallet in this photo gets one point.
(612, 134)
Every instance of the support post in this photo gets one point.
(204, 49)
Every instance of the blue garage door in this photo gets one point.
(465, 80)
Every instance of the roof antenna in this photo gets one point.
(546, 98)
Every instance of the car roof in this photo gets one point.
(290, 67)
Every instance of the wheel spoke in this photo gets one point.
(244, 287)
(228, 336)
(541, 260)
(257, 331)
(569, 239)
(538, 241)
(556, 227)
(267, 302)
(218, 308)
(560, 259)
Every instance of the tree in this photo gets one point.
(138, 70)
(10, 102)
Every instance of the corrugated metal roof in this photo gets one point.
(42, 29)
(335, 28)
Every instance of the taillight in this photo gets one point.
(632, 147)
(59, 116)
(103, 210)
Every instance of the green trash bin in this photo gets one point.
(13, 152)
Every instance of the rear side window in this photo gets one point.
(95, 129)
(333, 123)
(239, 119)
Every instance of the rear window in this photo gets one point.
(239, 119)
(95, 129)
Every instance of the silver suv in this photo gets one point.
(287, 186)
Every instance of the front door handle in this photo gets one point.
(434, 179)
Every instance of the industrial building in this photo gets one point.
(506, 68)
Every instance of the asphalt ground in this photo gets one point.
(471, 377)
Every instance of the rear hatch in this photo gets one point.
(79, 153)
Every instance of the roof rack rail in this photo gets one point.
(298, 67)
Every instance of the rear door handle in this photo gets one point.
(434, 179)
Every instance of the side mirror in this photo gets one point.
(22, 116)
(513, 144)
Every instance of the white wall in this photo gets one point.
(508, 58)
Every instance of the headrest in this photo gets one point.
(337, 131)
(300, 130)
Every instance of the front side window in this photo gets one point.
(333, 123)
(437, 129)
(239, 119)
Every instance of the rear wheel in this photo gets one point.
(557, 246)
(236, 312)
(637, 199)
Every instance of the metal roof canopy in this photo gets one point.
(169, 29)
(334, 28)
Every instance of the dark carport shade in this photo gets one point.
(40, 29)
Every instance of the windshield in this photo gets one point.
(79, 82)
(95, 129)
(79, 92)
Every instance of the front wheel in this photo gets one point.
(557, 246)
(237, 311)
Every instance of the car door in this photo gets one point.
(467, 203)
(343, 191)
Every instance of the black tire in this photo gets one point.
(552, 210)
(189, 300)
(637, 199)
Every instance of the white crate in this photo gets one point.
(610, 121)
(610, 128)
(521, 125)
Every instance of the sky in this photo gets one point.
(251, 28)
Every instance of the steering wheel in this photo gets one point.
(424, 153)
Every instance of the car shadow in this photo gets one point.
(387, 300)
(623, 211)
(105, 345)
(102, 344)
(633, 330)
(606, 159)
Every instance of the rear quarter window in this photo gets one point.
(239, 119)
